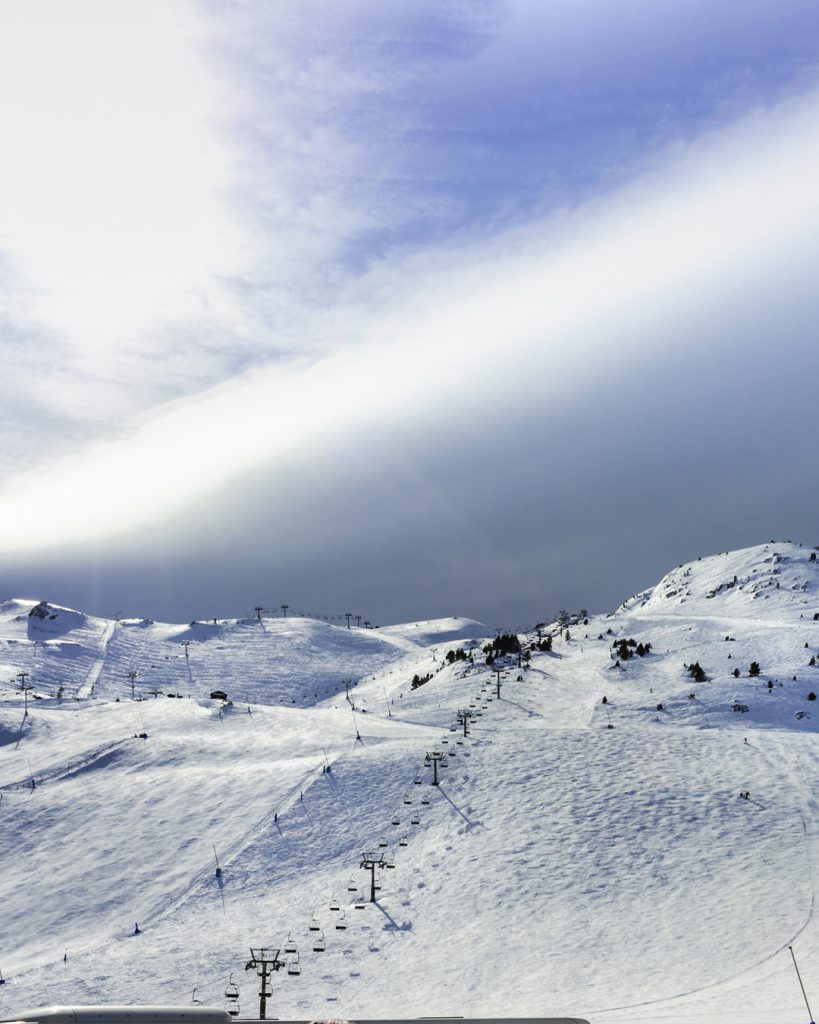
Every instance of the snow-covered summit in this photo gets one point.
(784, 574)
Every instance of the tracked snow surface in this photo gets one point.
(579, 857)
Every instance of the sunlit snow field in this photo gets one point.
(561, 867)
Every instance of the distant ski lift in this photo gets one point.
(460, 742)
(444, 761)
(293, 966)
(382, 841)
(452, 728)
(452, 753)
(395, 820)
(231, 990)
(319, 945)
(389, 862)
(290, 946)
(407, 798)
(415, 819)
(314, 925)
(334, 904)
(359, 902)
(417, 779)
(444, 739)
(352, 885)
(425, 798)
(478, 714)
(341, 922)
(404, 840)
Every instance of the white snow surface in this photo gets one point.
(562, 867)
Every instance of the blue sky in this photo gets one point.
(423, 308)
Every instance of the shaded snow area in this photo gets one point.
(579, 857)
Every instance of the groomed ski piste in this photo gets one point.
(579, 857)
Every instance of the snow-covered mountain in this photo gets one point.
(582, 855)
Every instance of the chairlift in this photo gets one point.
(290, 946)
(444, 761)
(478, 714)
(232, 1009)
(382, 841)
(460, 742)
(415, 819)
(452, 753)
(444, 739)
(341, 922)
(319, 945)
(404, 840)
(314, 925)
(352, 885)
(395, 820)
(452, 728)
(231, 989)
(359, 904)
(389, 862)
(417, 779)
(407, 798)
(293, 966)
(334, 904)
(425, 798)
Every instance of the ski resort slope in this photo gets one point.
(562, 866)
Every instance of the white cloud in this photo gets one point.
(112, 181)
(547, 308)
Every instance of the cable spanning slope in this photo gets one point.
(561, 865)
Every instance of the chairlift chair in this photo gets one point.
(452, 728)
(231, 990)
(395, 820)
(403, 840)
(319, 945)
(389, 862)
(444, 739)
(290, 946)
(407, 798)
(314, 925)
(352, 885)
(415, 819)
(334, 904)
(341, 922)
(417, 779)
(425, 798)
(382, 841)
(460, 742)
(360, 903)
(293, 966)
(444, 761)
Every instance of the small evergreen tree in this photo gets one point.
(754, 669)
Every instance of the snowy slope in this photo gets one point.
(562, 866)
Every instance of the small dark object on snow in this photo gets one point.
(137, 929)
